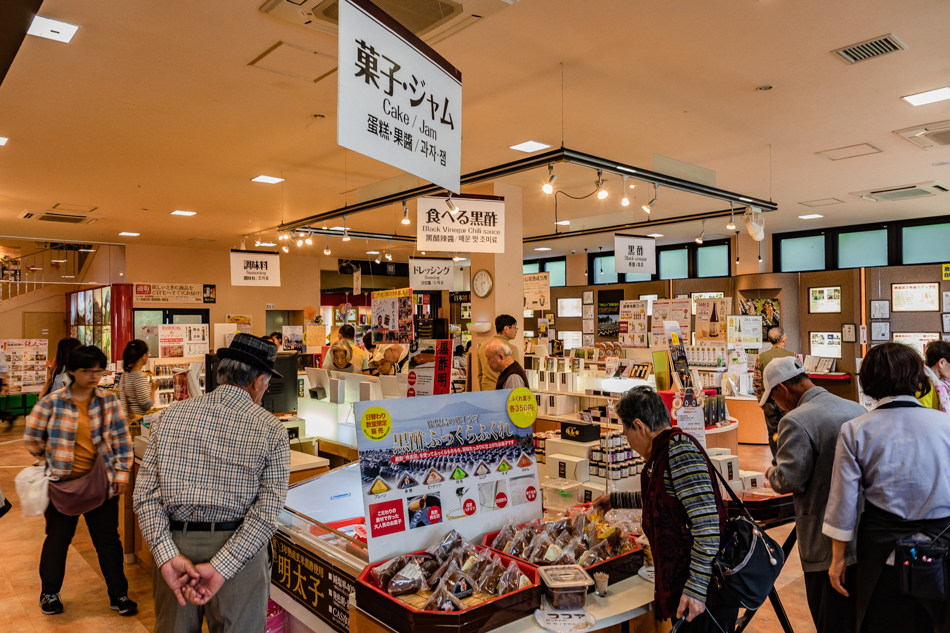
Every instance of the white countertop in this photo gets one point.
(304, 461)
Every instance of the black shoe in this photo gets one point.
(50, 603)
(123, 605)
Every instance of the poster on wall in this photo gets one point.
(826, 344)
(179, 341)
(292, 338)
(477, 227)
(569, 307)
(243, 322)
(392, 316)
(824, 300)
(768, 309)
(571, 338)
(430, 367)
(209, 293)
(255, 268)
(431, 274)
(459, 461)
(917, 340)
(744, 330)
(704, 295)
(537, 291)
(608, 312)
(915, 297)
(712, 319)
(27, 359)
(634, 254)
(633, 324)
(169, 293)
(398, 100)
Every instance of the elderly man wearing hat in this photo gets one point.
(212, 482)
(807, 437)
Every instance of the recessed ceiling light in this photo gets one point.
(52, 29)
(563, 223)
(3, 140)
(655, 235)
(267, 244)
(129, 234)
(270, 180)
(810, 216)
(931, 96)
(180, 212)
(542, 248)
(372, 252)
(530, 146)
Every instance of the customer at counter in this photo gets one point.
(212, 483)
(510, 373)
(807, 436)
(937, 369)
(770, 410)
(347, 333)
(341, 355)
(136, 391)
(683, 514)
(389, 360)
(897, 454)
(506, 329)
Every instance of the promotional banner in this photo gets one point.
(669, 310)
(460, 461)
(477, 227)
(430, 368)
(169, 293)
(178, 341)
(392, 316)
(537, 291)
(633, 324)
(27, 359)
(243, 322)
(255, 268)
(608, 312)
(431, 274)
(634, 254)
(711, 321)
(398, 100)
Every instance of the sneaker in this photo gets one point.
(50, 603)
(124, 606)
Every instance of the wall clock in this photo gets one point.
(482, 283)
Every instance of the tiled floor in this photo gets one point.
(84, 591)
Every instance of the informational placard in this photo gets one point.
(292, 338)
(243, 322)
(634, 254)
(431, 274)
(769, 309)
(537, 291)
(744, 330)
(569, 307)
(27, 358)
(316, 338)
(704, 295)
(357, 281)
(690, 420)
(319, 586)
(946, 302)
(679, 363)
(477, 227)
(392, 316)
(460, 297)
(633, 324)
(255, 268)
(915, 297)
(880, 331)
(917, 340)
(430, 368)
(179, 341)
(826, 344)
(827, 299)
(168, 293)
(711, 319)
(572, 339)
(670, 310)
(398, 100)
(458, 461)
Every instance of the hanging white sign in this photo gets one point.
(430, 274)
(477, 227)
(537, 291)
(255, 268)
(634, 254)
(398, 101)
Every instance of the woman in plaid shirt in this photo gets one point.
(70, 429)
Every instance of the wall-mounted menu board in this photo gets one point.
(915, 297)
(917, 340)
(824, 300)
(826, 344)
(569, 307)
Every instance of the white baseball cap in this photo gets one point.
(779, 370)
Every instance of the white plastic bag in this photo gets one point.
(32, 486)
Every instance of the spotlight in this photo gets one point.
(732, 217)
(601, 192)
(299, 243)
(625, 201)
(326, 251)
(346, 234)
(699, 238)
(548, 187)
(649, 207)
(405, 213)
(389, 253)
(308, 241)
(284, 248)
(451, 205)
(300, 234)
(377, 259)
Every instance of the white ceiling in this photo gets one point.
(153, 108)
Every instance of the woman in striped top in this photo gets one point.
(136, 390)
(683, 513)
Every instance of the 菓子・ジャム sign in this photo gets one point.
(399, 101)
(478, 226)
(431, 274)
(255, 268)
(634, 254)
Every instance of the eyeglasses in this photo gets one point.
(92, 373)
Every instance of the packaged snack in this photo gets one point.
(503, 541)
(481, 563)
(520, 543)
(442, 600)
(427, 561)
(385, 572)
(594, 555)
(539, 547)
(578, 524)
(566, 586)
(410, 579)
(436, 576)
(468, 557)
(509, 579)
(488, 582)
(448, 543)
(460, 584)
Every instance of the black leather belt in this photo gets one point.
(220, 526)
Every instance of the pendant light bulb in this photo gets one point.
(326, 251)
(405, 213)
(299, 243)
(451, 205)
(548, 187)
(389, 253)
(699, 238)
(346, 233)
(601, 192)
(732, 217)
(625, 201)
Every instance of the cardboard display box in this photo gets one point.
(571, 467)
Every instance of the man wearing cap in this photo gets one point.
(770, 410)
(807, 437)
(212, 482)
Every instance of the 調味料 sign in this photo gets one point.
(255, 268)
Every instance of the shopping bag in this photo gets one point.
(32, 486)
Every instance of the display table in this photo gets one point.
(747, 409)
(725, 436)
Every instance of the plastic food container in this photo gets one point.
(561, 494)
(566, 586)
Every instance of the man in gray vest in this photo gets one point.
(773, 414)
(807, 437)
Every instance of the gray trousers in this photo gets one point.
(241, 603)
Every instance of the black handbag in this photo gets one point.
(748, 562)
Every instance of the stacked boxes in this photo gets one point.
(728, 465)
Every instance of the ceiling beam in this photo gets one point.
(15, 19)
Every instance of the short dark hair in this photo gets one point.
(937, 350)
(502, 321)
(133, 352)
(647, 405)
(893, 369)
(273, 334)
(348, 331)
(368, 341)
(86, 357)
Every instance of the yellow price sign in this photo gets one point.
(522, 407)
(376, 423)
(946, 272)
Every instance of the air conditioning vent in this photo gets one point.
(904, 192)
(61, 218)
(927, 136)
(863, 51)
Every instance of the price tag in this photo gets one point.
(565, 621)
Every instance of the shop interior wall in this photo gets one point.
(781, 286)
(300, 281)
(878, 284)
(850, 282)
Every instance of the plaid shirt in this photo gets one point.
(51, 433)
(217, 457)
